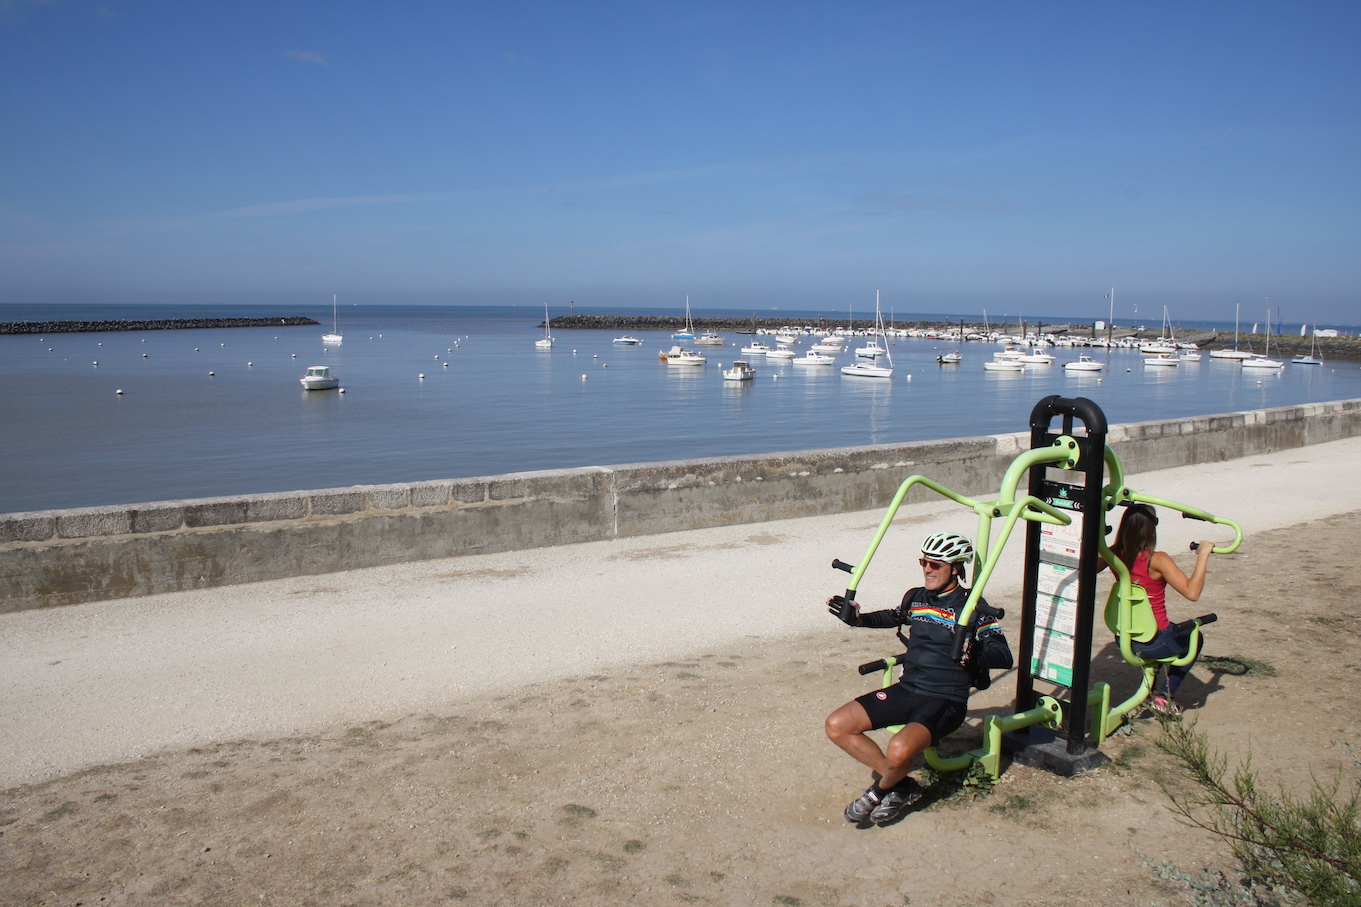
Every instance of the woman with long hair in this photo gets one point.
(1153, 570)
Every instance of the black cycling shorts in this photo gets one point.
(899, 705)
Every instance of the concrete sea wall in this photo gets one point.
(63, 557)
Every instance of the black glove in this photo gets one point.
(844, 610)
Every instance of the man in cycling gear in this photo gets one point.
(931, 697)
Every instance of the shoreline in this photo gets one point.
(160, 324)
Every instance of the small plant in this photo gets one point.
(786, 900)
(1238, 666)
(1013, 803)
(634, 846)
(576, 811)
(674, 880)
(1308, 846)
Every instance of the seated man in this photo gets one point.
(932, 696)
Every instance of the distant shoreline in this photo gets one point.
(161, 324)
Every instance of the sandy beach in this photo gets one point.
(638, 721)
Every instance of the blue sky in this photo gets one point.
(960, 156)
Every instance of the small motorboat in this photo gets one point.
(871, 350)
(687, 357)
(757, 348)
(812, 358)
(1190, 357)
(676, 350)
(319, 378)
(741, 371)
(951, 358)
(709, 338)
(1083, 364)
(1162, 360)
(779, 353)
(1004, 365)
(1037, 359)
(1263, 362)
(829, 344)
(626, 340)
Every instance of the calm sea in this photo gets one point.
(491, 403)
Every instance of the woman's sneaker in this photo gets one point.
(896, 802)
(1161, 703)
(858, 813)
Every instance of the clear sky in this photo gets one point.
(960, 156)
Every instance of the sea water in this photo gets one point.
(491, 403)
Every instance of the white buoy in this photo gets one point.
(212, 374)
(574, 352)
(295, 355)
(422, 376)
(596, 356)
(604, 365)
(446, 365)
(583, 378)
(99, 344)
(909, 377)
(119, 392)
(342, 390)
(777, 377)
(144, 355)
(448, 349)
(437, 357)
(196, 349)
(223, 345)
(96, 363)
(49, 349)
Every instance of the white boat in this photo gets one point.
(779, 353)
(334, 338)
(871, 350)
(950, 358)
(675, 351)
(319, 378)
(1162, 360)
(1083, 364)
(786, 338)
(687, 357)
(547, 342)
(871, 368)
(709, 338)
(1037, 359)
(1265, 361)
(757, 348)
(1166, 344)
(689, 332)
(829, 344)
(1004, 365)
(626, 340)
(1312, 358)
(812, 358)
(1234, 353)
(741, 371)
(1190, 357)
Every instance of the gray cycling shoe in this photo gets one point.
(858, 813)
(895, 802)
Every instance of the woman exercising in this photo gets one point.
(1154, 571)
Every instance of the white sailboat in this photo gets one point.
(1312, 358)
(870, 368)
(1233, 353)
(689, 332)
(1265, 361)
(1166, 344)
(335, 336)
(546, 343)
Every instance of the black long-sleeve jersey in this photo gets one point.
(928, 669)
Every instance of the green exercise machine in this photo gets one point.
(1065, 472)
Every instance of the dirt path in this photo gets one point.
(703, 781)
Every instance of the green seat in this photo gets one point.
(1130, 617)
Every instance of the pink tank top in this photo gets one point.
(1156, 589)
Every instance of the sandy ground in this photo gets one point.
(635, 722)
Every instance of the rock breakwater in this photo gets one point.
(162, 324)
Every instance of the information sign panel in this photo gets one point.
(1056, 593)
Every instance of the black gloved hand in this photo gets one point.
(844, 609)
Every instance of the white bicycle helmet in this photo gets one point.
(949, 547)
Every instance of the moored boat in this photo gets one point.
(741, 371)
(319, 378)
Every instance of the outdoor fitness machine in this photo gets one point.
(1063, 555)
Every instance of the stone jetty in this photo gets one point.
(161, 324)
